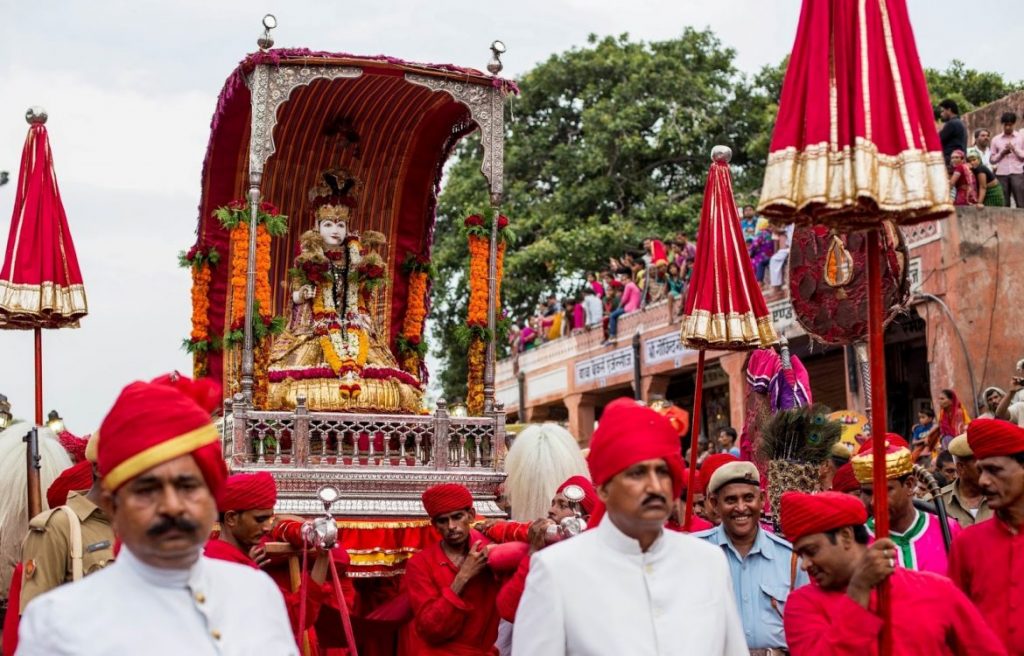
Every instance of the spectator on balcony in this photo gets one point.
(630, 301)
(982, 141)
(953, 134)
(595, 284)
(761, 251)
(689, 251)
(962, 180)
(657, 287)
(1007, 156)
(676, 284)
(777, 262)
(749, 223)
(989, 191)
(593, 309)
(528, 337)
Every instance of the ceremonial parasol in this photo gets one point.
(855, 145)
(40, 282)
(724, 309)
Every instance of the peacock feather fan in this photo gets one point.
(800, 435)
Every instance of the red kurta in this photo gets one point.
(987, 563)
(445, 623)
(221, 550)
(929, 615)
(508, 531)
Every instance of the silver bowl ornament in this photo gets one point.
(36, 115)
(570, 526)
(721, 154)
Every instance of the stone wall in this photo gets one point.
(987, 116)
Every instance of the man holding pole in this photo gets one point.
(838, 613)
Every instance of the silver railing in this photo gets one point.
(302, 439)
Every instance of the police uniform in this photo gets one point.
(47, 553)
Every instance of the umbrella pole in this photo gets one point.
(39, 375)
(876, 335)
(694, 440)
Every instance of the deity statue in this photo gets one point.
(332, 350)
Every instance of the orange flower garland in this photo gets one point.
(239, 264)
(475, 376)
(479, 231)
(416, 308)
(479, 252)
(199, 343)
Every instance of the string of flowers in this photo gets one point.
(198, 343)
(476, 333)
(411, 347)
(270, 222)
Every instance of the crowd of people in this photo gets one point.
(655, 271)
(991, 172)
(614, 565)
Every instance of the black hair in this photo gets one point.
(979, 131)
(860, 534)
(942, 459)
(1019, 457)
(927, 412)
(624, 271)
(948, 393)
(588, 290)
(950, 105)
(1008, 117)
(728, 430)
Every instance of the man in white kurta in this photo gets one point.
(628, 586)
(161, 469)
(214, 608)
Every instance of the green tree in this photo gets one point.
(969, 88)
(610, 144)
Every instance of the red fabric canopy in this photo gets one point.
(40, 282)
(855, 140)
(725, 309)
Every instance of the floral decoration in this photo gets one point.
(199, 342)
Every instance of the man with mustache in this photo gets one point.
(987, 559)
(161, 467)
(837, 614)
(450, 587)
(628, 586)
(763, 566)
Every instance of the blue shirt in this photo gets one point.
(765, 574)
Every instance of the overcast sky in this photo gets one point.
(130, 88)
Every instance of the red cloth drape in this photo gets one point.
(855, 139)
(40, 282)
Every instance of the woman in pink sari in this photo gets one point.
(962, 180)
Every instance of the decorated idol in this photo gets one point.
(333, 350)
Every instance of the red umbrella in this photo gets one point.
(40, 282)
(855, 145)
(724, 309)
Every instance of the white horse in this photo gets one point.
(14, 489)
(541, 458)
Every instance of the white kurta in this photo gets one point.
(597, 594)
(216, 608)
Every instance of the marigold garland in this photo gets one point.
(199, 343)
(475, 376)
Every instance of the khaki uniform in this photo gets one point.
(959, 511)
(47, 551)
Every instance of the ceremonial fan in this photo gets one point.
(40, 282)
(724, 309)
(854, 146)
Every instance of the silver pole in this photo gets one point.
(492, 322)
(250, 286)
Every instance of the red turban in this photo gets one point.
(630, 433)
(711, 463)
(698, 482)
(74, 445)
(994, 437)
(844, 480)
(153, 423)
(892, 439)
(806, 514)
(446, 498)
(248, 492)
(76, 478)
(590, 499)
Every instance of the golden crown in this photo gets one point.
(898, 463)
(332, 213)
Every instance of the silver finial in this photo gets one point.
(721, 154)
(36, 115)
(265, 42)
(497, 50)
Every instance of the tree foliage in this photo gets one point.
(609, 144)
(969, 88)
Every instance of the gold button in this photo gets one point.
(216, 634)
(648, 568)
(201, 598)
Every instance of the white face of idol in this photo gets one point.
(333, 232)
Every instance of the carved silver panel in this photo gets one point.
(271, 86)
(486, 106)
